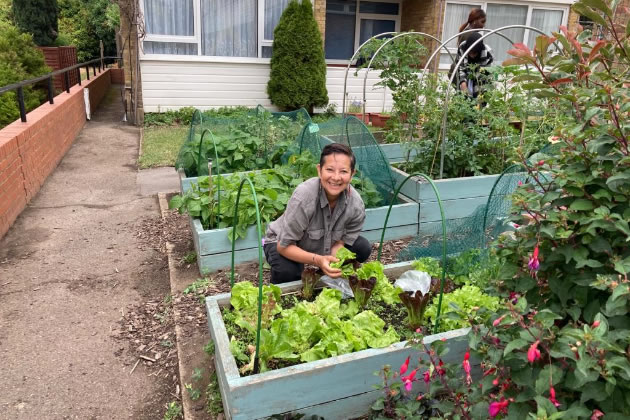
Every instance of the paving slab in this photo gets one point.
(70, 267)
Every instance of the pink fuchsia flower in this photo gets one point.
(466, 366)
(552, 397)
(514, 297)
(534, 264)
(408, 380)
(595, 324)
(596, 414)
(426, 376)
(497, 321)
(498, 407)
(520, 183)
(404, 366)
(440, 369)
(533, 353)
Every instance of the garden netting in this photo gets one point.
(479, 229)
(254, 140)
(374, 173)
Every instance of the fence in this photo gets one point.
(97, 63)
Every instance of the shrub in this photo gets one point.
(19, 60)
(298, 69)
(560, 347)
(37, 17)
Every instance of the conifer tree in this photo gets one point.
(37, 17)
(298, 68)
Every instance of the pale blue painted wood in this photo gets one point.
(303, 387)
(223, 260)
(217, 240)
(453, 209)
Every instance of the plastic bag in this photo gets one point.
(413, 281)
(341, 284)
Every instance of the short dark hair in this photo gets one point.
(333, 148)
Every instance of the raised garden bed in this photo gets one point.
(339, 387)
(214, 249)
(460, 196)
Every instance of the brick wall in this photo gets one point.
(117, 76)
(30, 151)
(423, 16)
(320, 16)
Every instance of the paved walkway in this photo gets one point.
(70, 266)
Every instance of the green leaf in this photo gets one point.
(581, 205)
(551, 374)
(546, 317)
(599, 5)
(519, 343)
(617, 181)
(594, 391)
(589, 13)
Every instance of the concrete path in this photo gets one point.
(70, 266)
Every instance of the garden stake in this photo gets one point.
(260, 260)
(216, 157)
(380, 246)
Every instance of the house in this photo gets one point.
(212, 53)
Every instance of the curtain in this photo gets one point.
(229, 28)
(273, 11)
(176, 48)
(169, 17)
(545, 20)
(498, 15)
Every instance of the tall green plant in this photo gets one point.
(38, 18)
(19, 60)
(298, 69)
(564, 343)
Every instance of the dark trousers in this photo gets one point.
(284, 270)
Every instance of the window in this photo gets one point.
(545, 17)
(349, 23)
(224, 28)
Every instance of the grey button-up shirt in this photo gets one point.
(308, 222)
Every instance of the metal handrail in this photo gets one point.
(49, 76)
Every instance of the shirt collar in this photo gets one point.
(323, 200)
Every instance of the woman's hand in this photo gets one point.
(323, 262)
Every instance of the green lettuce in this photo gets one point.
(383, 291)
(345, 256)
(244, 300)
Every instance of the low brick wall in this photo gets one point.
(30, 151)
(117, 76)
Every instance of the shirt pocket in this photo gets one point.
(312, 241)
(315, 235)
(337, 235)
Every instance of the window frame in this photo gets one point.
(182, 39)
(560, 5)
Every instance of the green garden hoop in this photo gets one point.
(260, 260)
(380, 247)
(216, 157)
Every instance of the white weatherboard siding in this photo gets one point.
(175, 84)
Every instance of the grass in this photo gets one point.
(160, 146)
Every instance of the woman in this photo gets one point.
(469, 78)
(323, 215)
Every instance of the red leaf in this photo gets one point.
(561, 81)
(596, 49)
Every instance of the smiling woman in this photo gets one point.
(323, 215)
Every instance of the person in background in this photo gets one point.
(323, 215)
(476, 20)
(472, 80)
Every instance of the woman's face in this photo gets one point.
(479, 23)
(335, 174)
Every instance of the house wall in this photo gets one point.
(171, 84)
(30, 151)
(320, 16)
